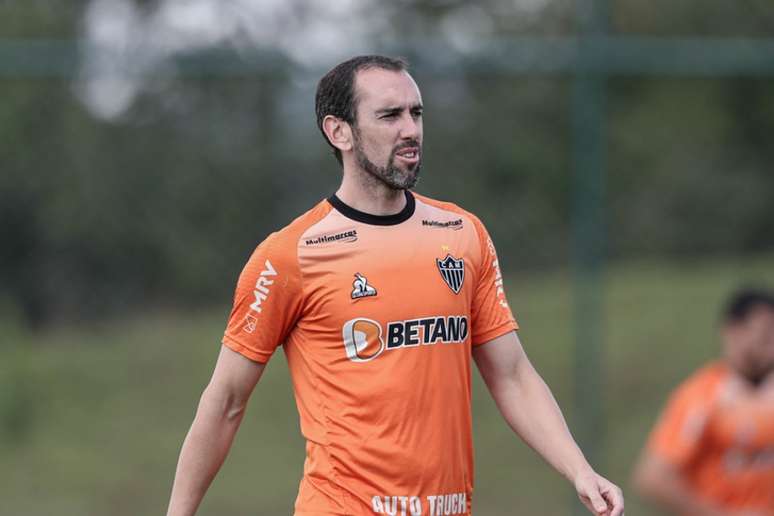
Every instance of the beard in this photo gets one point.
(756, 374)
(391, 175)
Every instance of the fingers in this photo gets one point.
(598, 510)
(597, 502)
(590, 496)
(602, 498)
(614, 497)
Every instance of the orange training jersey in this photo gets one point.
(721, 439)
(377, 316)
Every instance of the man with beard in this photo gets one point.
(380, 298)
(712, 451)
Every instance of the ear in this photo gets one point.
(339, 132)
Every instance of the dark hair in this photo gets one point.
(744, 301)
(336, 90)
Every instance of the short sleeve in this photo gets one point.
(678, 435)
(267, 300)
(491, 314)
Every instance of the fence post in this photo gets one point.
(589, 228)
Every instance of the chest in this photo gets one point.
(389, 274)
(743, 432)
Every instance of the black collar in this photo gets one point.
(375, 220)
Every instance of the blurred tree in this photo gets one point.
(163, 203)
(49, 19)
(709, 18)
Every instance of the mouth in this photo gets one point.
(409, 155)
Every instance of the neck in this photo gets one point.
(754, 381)
(362, 191)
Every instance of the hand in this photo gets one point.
(599, 495)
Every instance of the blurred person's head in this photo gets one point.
(369, 109)
(748, 334)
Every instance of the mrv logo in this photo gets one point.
(262, 285)
(364, 339)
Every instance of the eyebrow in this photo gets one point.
(397, 109)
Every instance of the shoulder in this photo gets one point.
(703, 385)
(680, 430)
(443, 205)
(282, 245)
(451, 208)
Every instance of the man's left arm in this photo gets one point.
(529, 408)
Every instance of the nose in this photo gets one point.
(411, 128)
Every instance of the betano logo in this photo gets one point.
(364, 339)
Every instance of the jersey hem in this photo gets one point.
(261, 358)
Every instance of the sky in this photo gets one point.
(125, 48)
(122, 45)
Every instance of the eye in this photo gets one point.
(416, 113)
(389, 116)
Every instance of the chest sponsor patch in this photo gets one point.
(366, 339)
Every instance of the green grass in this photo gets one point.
(93, 418)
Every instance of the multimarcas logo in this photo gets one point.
(348, 235)
(364, 338)
(452, 224)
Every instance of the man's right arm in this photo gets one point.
(220, 412)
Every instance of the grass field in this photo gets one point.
(93, 418)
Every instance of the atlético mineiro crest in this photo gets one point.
(452, 271)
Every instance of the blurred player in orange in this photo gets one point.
(712, 451)
(381, 300)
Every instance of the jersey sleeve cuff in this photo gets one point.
(261, 357)
(493, 333)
